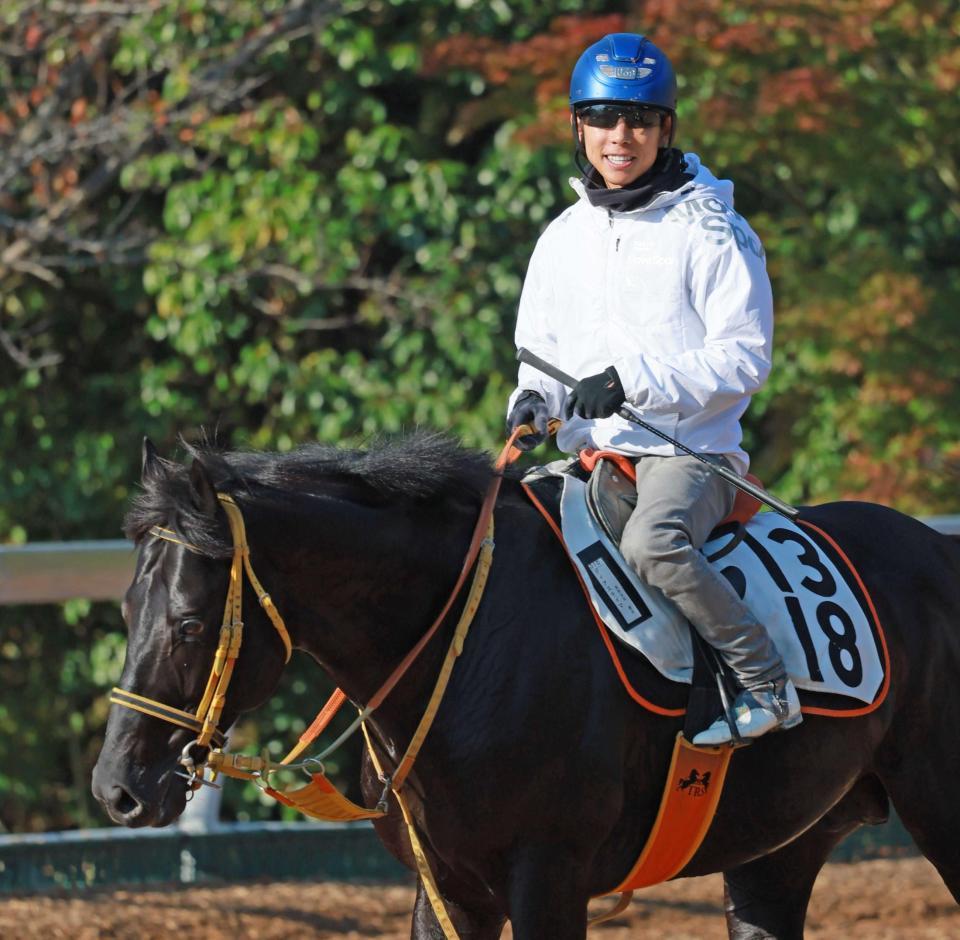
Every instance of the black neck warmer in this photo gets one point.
(668, 173)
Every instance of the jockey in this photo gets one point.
(654, 290)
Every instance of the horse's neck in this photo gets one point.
(361, 584)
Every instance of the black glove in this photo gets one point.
(596, 396)
(531, 409)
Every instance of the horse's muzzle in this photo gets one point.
(135, 806)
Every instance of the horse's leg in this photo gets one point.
(768, 897)
(469, 926)
(921, 780)
(546, 895)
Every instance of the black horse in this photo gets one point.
(540, 780)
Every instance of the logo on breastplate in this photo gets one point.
(696, 784)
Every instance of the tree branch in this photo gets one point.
(103, 8)
(22, 358)
(125, 130)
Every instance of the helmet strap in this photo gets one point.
(673, 130)
(579, 154)
(582, 163)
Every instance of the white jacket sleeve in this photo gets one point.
(536, 330)
(730, 290)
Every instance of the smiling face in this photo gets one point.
(622, 154)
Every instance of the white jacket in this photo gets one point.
(674, 295)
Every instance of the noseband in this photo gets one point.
(207, 717)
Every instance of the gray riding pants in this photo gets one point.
(679, 502)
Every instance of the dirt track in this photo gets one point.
(880, 900)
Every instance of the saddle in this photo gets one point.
(611, 498)
(612, 493)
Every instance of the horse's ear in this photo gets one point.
(202, 489)
(151, 466)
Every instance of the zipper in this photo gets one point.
(612, 265)
(616, 244)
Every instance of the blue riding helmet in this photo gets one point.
(624, 67)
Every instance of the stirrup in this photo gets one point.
(774, 706)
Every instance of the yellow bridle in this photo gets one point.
(207, 718)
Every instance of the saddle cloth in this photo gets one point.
(806, 595)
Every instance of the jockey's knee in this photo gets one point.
(653, 552)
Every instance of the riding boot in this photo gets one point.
(772, 706)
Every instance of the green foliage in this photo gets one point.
(52, 712)
(313, 260)
(285, 222)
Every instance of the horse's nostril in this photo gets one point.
(124, 803)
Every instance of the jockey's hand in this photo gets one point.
(529, 408)
(596, 396)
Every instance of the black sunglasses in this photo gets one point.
(608, 115)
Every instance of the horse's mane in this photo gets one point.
(417, 468)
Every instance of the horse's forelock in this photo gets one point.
(167, 501)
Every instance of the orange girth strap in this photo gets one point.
(690, 797)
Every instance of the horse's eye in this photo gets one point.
(191, 628)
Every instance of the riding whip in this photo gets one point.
(626, 412)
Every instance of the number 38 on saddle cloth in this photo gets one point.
(792, 575)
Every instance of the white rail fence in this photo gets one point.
(49, 572)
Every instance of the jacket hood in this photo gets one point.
(703, 185)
